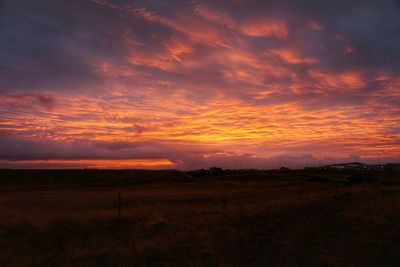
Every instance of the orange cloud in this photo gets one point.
(276, 29)
(197, 32)
(291, 56)
(315, 25)
(196, 81)
(94, 164)
(342, 81)
(215, 16)
(348, 49)
(108, 69)
(177, 49)
(145, 14)
(158, 61)
(223, 123)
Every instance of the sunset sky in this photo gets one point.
(192, 84)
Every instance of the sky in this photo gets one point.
(193, 84)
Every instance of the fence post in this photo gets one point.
(119, 206)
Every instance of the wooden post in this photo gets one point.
(240, 210)
(119, 206)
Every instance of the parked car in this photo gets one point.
(362, 177)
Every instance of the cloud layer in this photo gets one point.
(190, 84)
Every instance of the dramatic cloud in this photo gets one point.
(191, 84)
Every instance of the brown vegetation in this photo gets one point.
(275, 218)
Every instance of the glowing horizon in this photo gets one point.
(191, 84)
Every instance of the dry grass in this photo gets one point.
(257, 219)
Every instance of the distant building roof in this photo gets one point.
(348, 164)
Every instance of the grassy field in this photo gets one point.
(271, 218)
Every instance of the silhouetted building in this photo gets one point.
(347, 166)
(374, 167)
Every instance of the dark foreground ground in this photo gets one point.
(274, 218)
